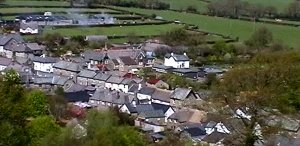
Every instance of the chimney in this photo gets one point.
(140, 86)
(184, 54)
(172, 54)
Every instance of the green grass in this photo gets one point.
(30, 10)
(236, 28)
(183, 4)
(144, 30)
(36, 3)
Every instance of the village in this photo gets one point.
(108, 78)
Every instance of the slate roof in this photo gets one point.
(115, 61)
(161, 66)
(214, 137)
(5, 61)
(29, 25)
(87, 74)
(4, 39)
(161, 107)
(161, 95)
(182, 115)
(34, 46)
(75, 88)
(130, 107)
(195, 131)
(18, 47)
(185, 70)
(102, 77)
(180, 93)
(152, 114)
(45, 59)
(54, 80)
(177, 57)
(144, 107)
(93, 55)
(126, 81)
(111, 97)
(70, 66)
(134, 88)
(82, 96)
(115, 54)
(147, 91)
(126, 60)
(115, 80)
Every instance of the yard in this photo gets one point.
(235, 28)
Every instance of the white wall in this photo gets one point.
(124, 109)
(180, 64)
(155, 128)
(108, 85)
(160, 102)
(1, 49)
(44, 67)
(21, 54)
(29, 30)
(144, 97)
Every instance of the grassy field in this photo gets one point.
(30, 10)
(36, 3)
(144, 30)
(183, 4)
(235, 28)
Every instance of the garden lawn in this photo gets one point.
(139, 30)
(36, 3)
(235, 28)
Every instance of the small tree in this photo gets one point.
(192, 9)
(260, 38)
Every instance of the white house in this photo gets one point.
(29, 28)
(177, 61)
(144, 95)
(44, 64)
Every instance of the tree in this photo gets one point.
(40, 127)
(191, 9)
(271, 11)
(293, 9)
(132, 38)
(37, 103)
(2, 1)
(175, 36)
(264, 91)
(260, 38)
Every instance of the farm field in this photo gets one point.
(141, 30)
(35, 3)
(234, 28)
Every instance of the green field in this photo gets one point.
(234, 28)
(31, 10)
(36, 3)
(183, 4)
(142, 30)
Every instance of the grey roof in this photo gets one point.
(182, 115)
(152, 114)
(111, 97)
(126, 81)
(35, 46)
(96, 38)
(44, 59)
(115, 54)
(70, 66)
(214, 137)
(115, 80)
(161, 95)
(144, 107)
(213, 70)
(126, 60)
(184, 70)
(17, 47)
(116, 73)
(75, 88)
(146, 91)
(93, 55)
(55, 80)
(134, 88)
(102, 77)
(31, 25)
(130, 107)
(180, 93)
(22, 60)
(5, 61)
(4, 39)
(178, 57)
(87, 74)
(161, 66)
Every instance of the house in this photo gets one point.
(113, 83)
(128, 108)
(13, 49)
(144, 95)
(215, 138)
(177, 61)
(66, 68)
(196, 133)
(36, 48)
(52, 82)
(106, 98)
(146, 58)
(9, 38)
(150, 119)
(161, 96)
(100, 79)
(4, 63)
(86, 77)
(44, 64)
(94, 58)
(182, 96)
(126, 63)
(29, 28)
(125, 84)
(187, 116)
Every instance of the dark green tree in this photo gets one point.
(36, 103)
